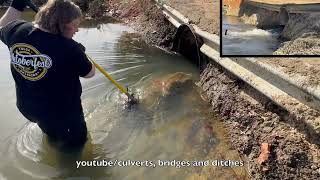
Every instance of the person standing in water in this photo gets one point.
(46, 64)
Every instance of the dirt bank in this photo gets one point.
(302, 33)
(231, 7)
(254, 120)
(308, 68)
(145, 18)
(306, 44)
(203, 13)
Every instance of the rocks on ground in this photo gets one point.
(307, 44)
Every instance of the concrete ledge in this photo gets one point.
(249, 77)
(290, 7)
(211, 40)
(171, 19)
(313, 91)
(307, 95)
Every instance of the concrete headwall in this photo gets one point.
(232, 7)
(255, 13)
(257, 16)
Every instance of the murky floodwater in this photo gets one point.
(171, 124)
(242, 39)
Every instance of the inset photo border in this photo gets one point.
(270, 28)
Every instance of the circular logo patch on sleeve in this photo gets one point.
(29, 62)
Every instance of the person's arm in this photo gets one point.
(92, 72)
(87, 68)
(13, 12)
(10, 15)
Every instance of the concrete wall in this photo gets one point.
(257, 16)
(231, 7)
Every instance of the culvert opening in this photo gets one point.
(187, 43)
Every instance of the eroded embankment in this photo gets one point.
(146, 18)
(303, 33)
(300, 34)
(254, 120)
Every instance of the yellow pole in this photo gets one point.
(121, 88)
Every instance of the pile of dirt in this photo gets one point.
(254, 120)
(302, 33)
(203, 13)
(308, 68)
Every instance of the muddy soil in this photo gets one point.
(251, 119)
(308, 68)
(254, 120)
(145, 18)
(302, 31)
(203, 13)
(306, 44)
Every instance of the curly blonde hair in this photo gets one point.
(55, 14)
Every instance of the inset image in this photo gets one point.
(270, 28)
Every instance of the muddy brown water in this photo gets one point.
(178, 128)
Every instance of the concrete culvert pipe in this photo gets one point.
(187, 43)
(283, 16)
